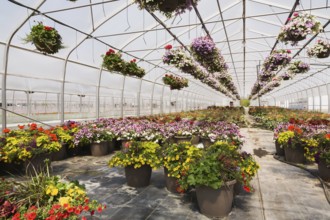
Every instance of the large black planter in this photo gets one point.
(171, 182)
(279, 149)
(324, 170)
(99, 149)
(10, 168)
(295, 155)
(324, 54)
(111, 146)
(139, 177)
(61, 154)
(36, 164)
(215, 202)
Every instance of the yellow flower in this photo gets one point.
(51, 190)
(64, 200)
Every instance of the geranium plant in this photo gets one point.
(248, 167)
(320, 50)
(298, 67)
(298, 27)
(138, 154)
(175, 82)
(132, 69)
(45, 38)
(167, 7)
(112, 61)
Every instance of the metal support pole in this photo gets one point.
(162, 101)
(328, 93)
(98, 95)
(320, 97)
(313, 100)
(138, 109)
(58, 106)
(122, 99)
(152, 99)
(27, 103)
(176, 101)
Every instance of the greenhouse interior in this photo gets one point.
(202, 109)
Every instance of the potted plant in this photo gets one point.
(298, 27)
(248, 168)
(177, 160)
(138, 158)
(167, 7)
(214, 176)
(45, 197)
(320, 50)
(30, 147)
(175, 82)
(46, 39)
(323, 154)
(298, 67)
(286, 76)
(112, 61)
(292, 143)
(132, 69)
(278, 58)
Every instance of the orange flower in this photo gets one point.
(40, 129)
(327, 136)
(21, 126)
(298, 130)
(6, 130)
(291, 127)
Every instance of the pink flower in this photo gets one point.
(295, 14)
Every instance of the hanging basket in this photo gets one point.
(168, 5)
(294, 38)
(323, 54)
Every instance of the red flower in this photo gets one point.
(30, 216)
(83, 218)
(295, 14)
(168, 47)
(92, 212)
(47, 28)
(21, 126)
(179, 189)
(6, 130)
(110, 51)
(16, 217)
(107, 53)
(86, 208)
(289, 51)
(247, 189)
(291, 127)
(99, 209)
(40, 129)
(133, 61)
(77, 212)
(70, 210)
(289, 19)
(86, 201)
(327, 136)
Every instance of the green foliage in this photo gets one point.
(138, 154)
(218, 165)
(245, 102)
(132, 69)
(178, 159)
(45, 38)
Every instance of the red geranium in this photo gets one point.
(47, 28)
(168, 47)
(6, 130)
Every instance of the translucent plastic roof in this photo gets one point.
(244, 30)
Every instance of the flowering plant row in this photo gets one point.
(167, 7)
(186, 64)
(270, 117)
(112, 61)
(45, 197)
(315, 139)
(175, 82)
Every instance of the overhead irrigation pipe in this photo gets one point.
(201, 20)
(287, 20)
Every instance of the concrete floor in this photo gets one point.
(282, 191)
